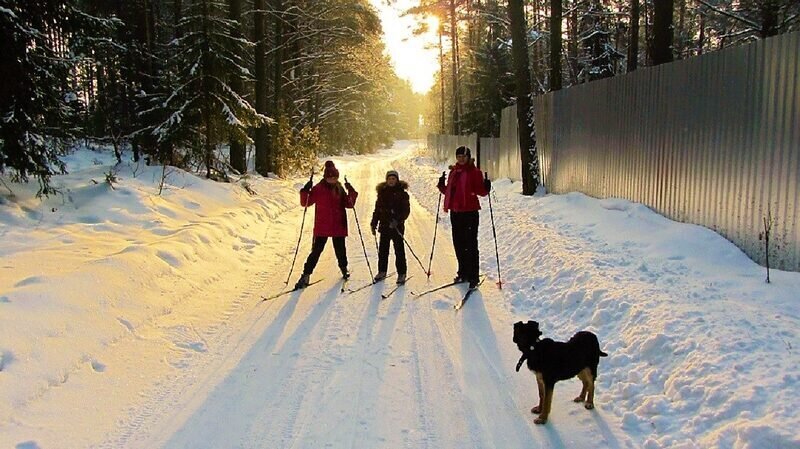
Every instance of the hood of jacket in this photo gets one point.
(468, 166)
(382, 186)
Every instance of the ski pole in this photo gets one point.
(302, 224)
(435, 228)
(410, 249)
(363, 246)
(494, 234)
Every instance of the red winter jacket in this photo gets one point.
(330, 217)
(464, 185)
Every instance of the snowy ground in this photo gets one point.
(129, 319)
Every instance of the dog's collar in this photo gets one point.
(525, 355)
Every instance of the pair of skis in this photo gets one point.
(383, 295)
(286, 292)
(457, 306)
(341, 290)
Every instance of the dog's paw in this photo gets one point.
(540, 420)
(589, 406)
(578, 399)
(536, 410)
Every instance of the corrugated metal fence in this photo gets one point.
(442, 147)
(712, 140)
(500, 157)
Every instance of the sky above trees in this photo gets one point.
(414, 57)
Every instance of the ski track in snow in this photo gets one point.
(321, 369)
(336, 370)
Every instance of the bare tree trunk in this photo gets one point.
(207, 116)
(279, 55)
(768, 10)
(454, 60)
(572, 43)
(633, 40)
(701, 38)
(680, 36)
(555, 44)
(441, 76)
(661, 49)
(262, 143)
(237, 147)
(522, 74)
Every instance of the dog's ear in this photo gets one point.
(536, 332)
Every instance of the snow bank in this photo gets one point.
(96, 262)
(703, 353)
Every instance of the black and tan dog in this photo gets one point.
(552, 361)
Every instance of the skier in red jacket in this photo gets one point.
(330, 219)
(464, 184)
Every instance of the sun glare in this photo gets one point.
(433, 24)
(414, 57)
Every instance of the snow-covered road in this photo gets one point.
(134, 320)
(326, 369)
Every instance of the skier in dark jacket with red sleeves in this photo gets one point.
(330, 218)
(391, 211)
(465, 184)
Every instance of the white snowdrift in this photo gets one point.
(83, 268)
(703, 353)
(104, 292)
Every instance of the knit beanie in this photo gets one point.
(463, 150)
(330, 170)
(392, 173)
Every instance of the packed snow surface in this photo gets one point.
(130, 318)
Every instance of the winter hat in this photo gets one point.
(463, 150)
(392, 173)
(330, 170)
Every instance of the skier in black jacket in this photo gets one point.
(391, 211)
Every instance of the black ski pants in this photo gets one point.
(392, 236)
(465, 242)
(316, 251)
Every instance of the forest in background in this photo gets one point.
(200, 84)
(572, 42)
(211, 84)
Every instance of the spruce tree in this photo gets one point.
(41, 43)
(199, 107)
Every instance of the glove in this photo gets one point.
(487, 185)
(307, 187)
(441, 182)
(373, 228)
(348, 186)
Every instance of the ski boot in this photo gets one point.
(401, 279)
(345, 273)
(380, 276)
(473, 284)
(302, 282)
